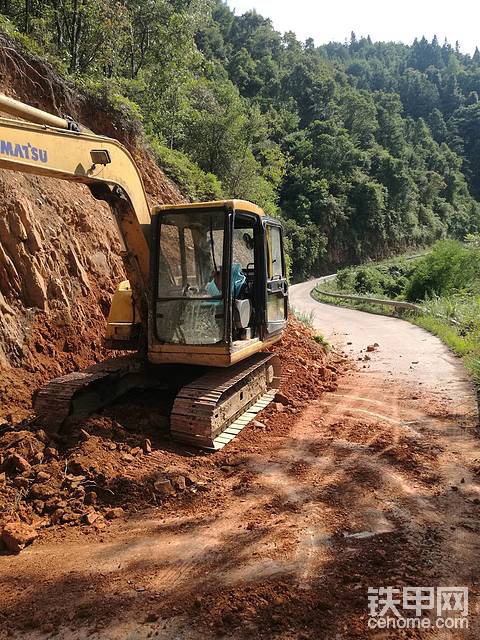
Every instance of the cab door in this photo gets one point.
(276, 308)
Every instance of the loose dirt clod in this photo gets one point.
(16, 536)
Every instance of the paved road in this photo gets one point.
(407, 353)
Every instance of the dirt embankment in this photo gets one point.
(59, 261)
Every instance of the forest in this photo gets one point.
(364, 149)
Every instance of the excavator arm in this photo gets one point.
(47, 145)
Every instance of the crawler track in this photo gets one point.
(203, 409)
(206, 408)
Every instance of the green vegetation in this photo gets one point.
(321, 340)
(364, 149)
(450, 269)
(304, 318)
(445, 282)
(387, 279)
(307, 320)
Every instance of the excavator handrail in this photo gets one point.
(21, 110)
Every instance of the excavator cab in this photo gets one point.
(219, 288)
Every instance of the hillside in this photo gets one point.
(363, 148)
(59, 261)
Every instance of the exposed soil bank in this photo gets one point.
(59, 252)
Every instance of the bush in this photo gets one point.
(368, 281)
(450, 268)
(345, 279)
(387, 280)
(194, 183)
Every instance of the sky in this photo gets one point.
(380, 19)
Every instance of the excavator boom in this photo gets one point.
(58, 148)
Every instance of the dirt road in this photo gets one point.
(375, 484)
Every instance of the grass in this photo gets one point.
(307, 320)
(359, 306)
(321, 340)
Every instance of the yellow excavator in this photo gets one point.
(206, 295)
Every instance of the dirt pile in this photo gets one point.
(59, 262)
(84, 482)
(123, 460)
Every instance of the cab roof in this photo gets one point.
(237, 205)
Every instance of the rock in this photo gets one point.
(85, 435)
(279, 407)
(19, 463)
(57, 516)
(35, 287)
(371, 347)
(256, 424)
(91, 498)
(79, 493)
(39, 506)
(127, 457)
(77, 268)
(43, 476)
(179, 482)
(147, 446)
(21, 483)
(69, 516)
(366, 357)
(281, 398)
(135, 451)
(191, 480)
(41, 435)
(42, 491)
(90, 517)
(164, 487)
(75, 481)
(3, 479)
(51, 452)
(115, 512)
(152, 617)
(16, 535)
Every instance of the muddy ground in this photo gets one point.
(354, 482)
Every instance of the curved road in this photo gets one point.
(406, 353)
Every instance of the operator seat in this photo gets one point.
(242, 306)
